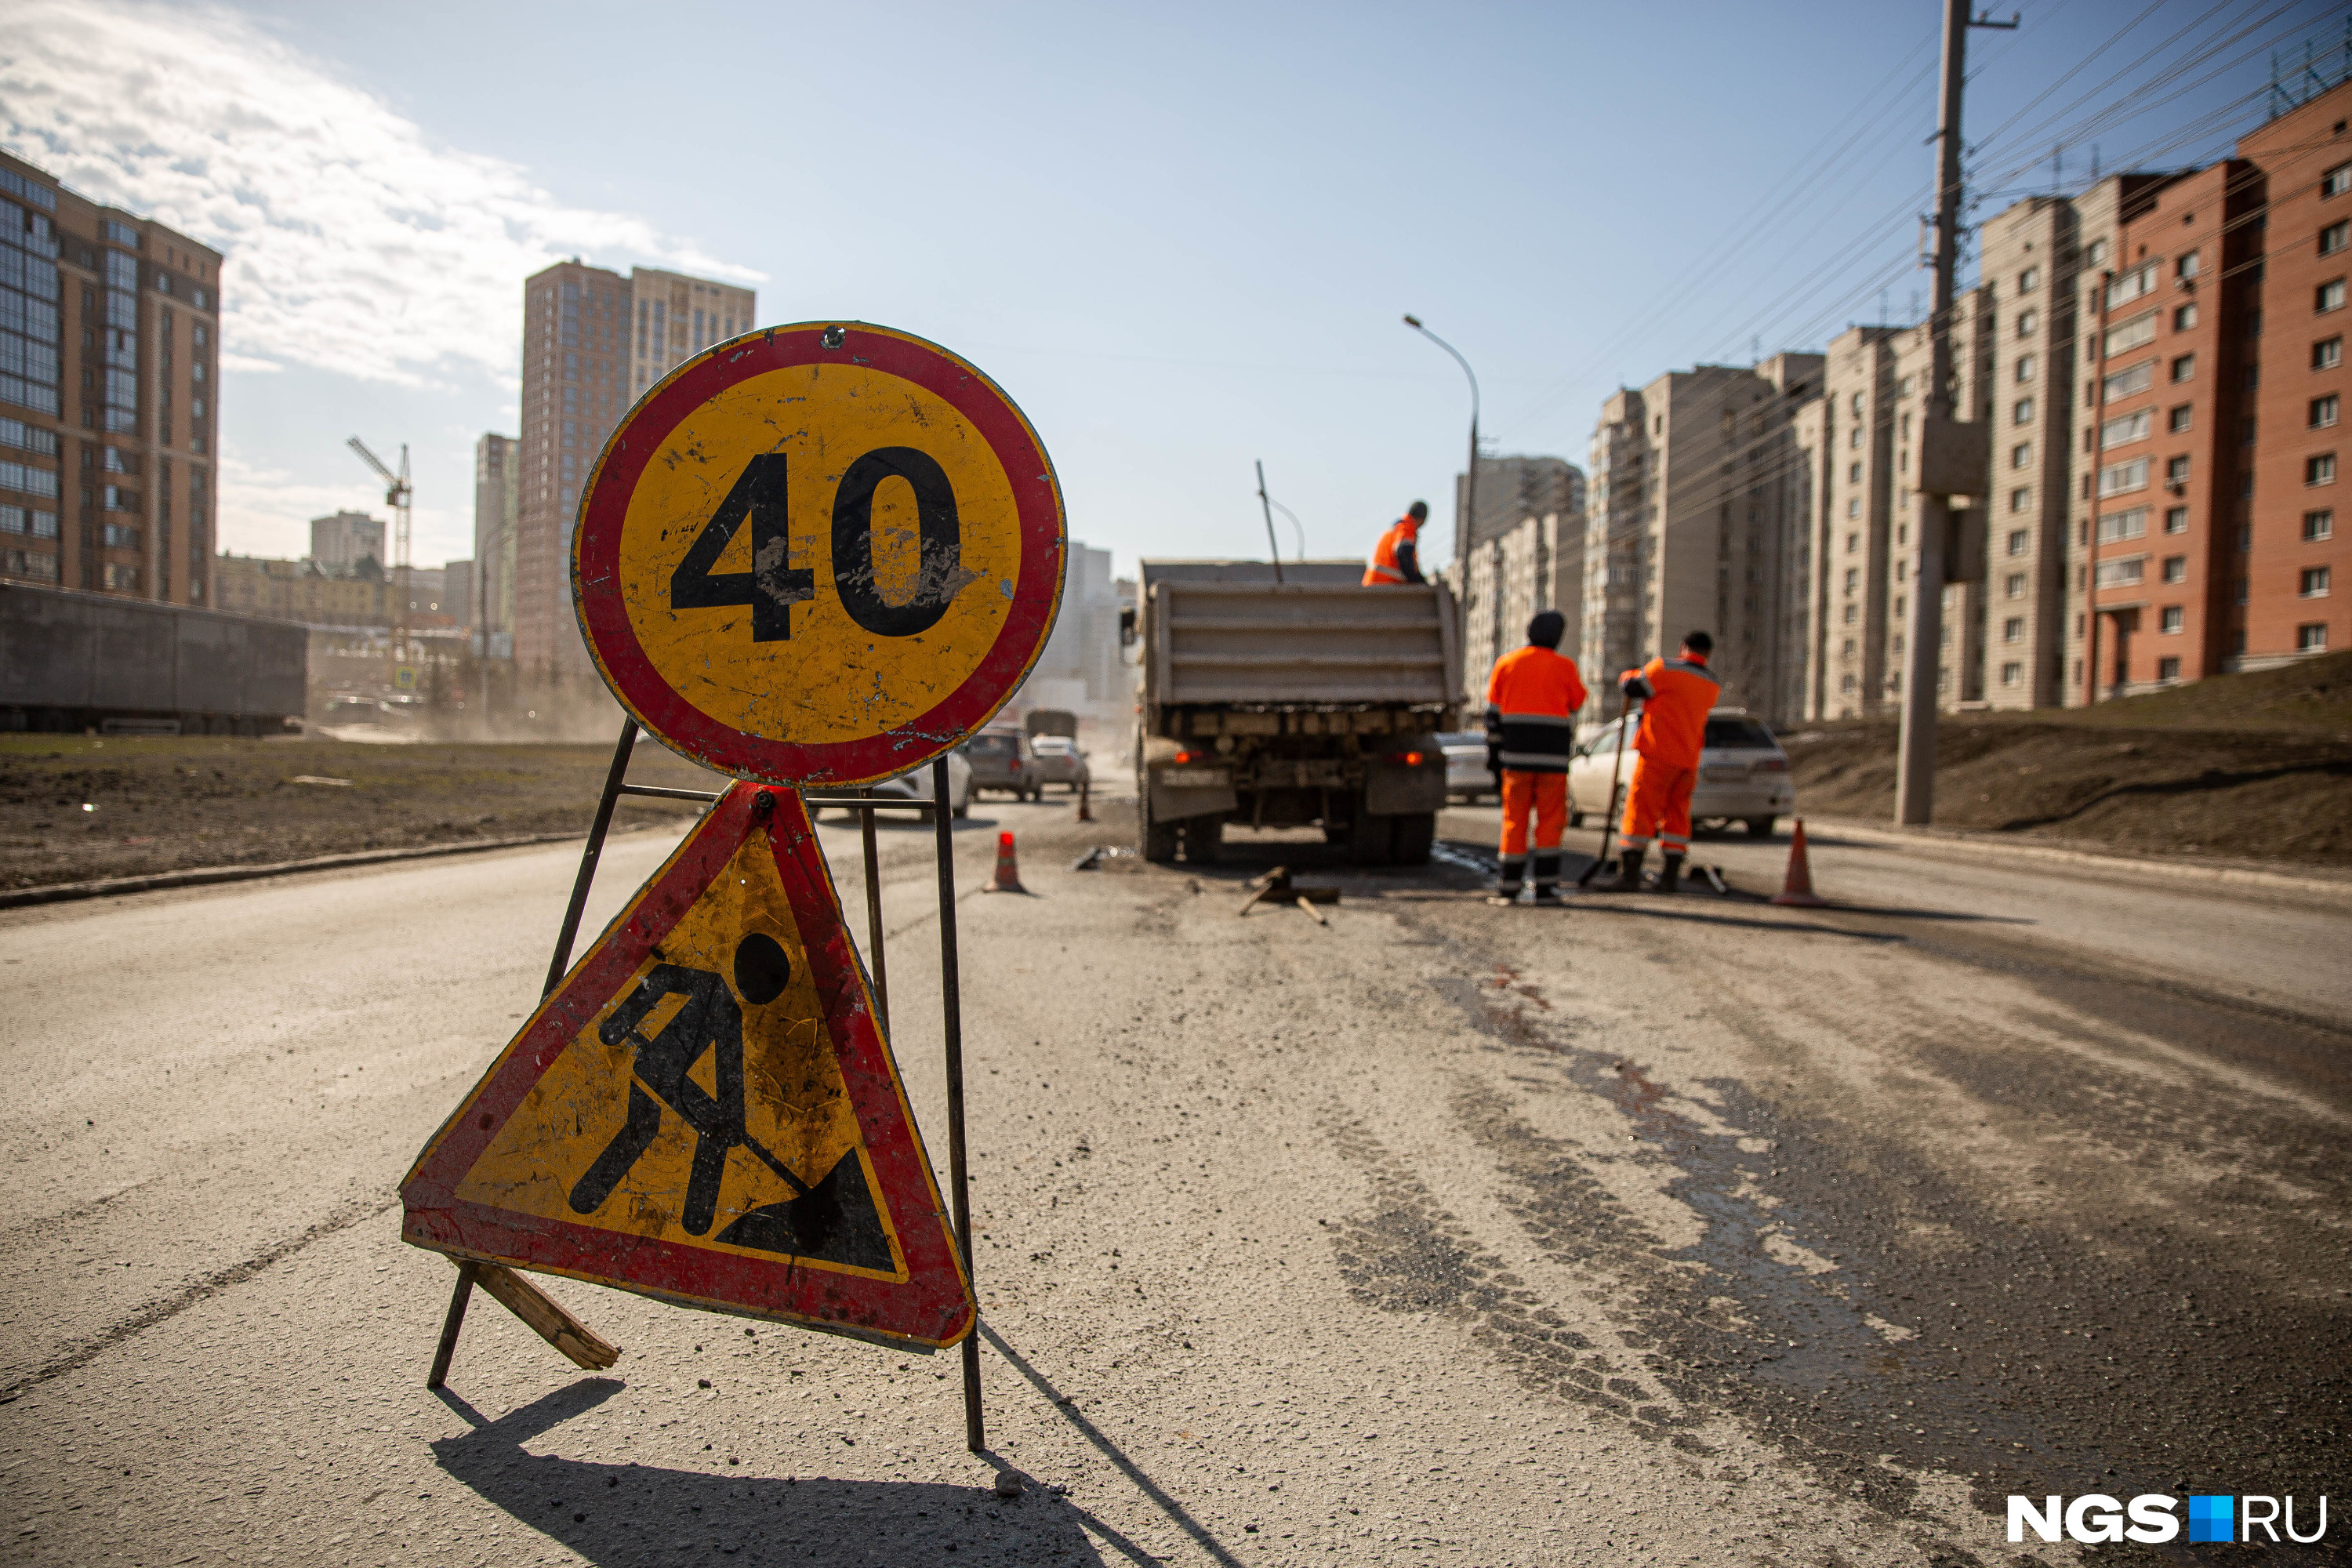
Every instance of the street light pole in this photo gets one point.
(1470, 474)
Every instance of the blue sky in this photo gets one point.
(1181, 237)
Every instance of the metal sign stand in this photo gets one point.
(616, 786)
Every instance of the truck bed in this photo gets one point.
(1226, 633)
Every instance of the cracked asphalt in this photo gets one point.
(1686, 1230)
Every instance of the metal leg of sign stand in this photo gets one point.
(951, 992)
(464, 1290)
(873, 921)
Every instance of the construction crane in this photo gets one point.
(396, 494)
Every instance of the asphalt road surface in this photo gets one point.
(1650, 1231)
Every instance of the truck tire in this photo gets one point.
(1759, 826)
(1159, 837)
(1411, 837)
(1369, 838)
(1204, 839)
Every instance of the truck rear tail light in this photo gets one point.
(1182, 757)
(1413, 759)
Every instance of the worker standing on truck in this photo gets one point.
(1530, 735)
(1677, 695)
(1396, 559)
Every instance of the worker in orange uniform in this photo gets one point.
(1531, 698)
(1677, 695)
(1394, 560)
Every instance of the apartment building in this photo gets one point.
(1537, 564)
(2295, 539)
(592, 341)
(341, 541)
(497, 468)
(301, 591)
(109, 395)
(1849, 434)
(1688, 524)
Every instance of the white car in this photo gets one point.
(916, 786)
(1743, 776)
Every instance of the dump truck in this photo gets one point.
(1290, 697)
(73, 661)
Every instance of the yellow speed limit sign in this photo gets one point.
(821, 553)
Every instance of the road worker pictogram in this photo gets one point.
(819, 554)
(706, 1111)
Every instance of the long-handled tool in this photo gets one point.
(1609, 820)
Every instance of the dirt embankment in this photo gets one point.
(2240, 766)
(75, 807)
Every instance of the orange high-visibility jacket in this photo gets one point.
(1529, 698)
(1677, 695)
(1394, 558)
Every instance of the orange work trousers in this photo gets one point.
(1546, 794)
(1658, 807)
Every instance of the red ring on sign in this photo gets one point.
(622, 659)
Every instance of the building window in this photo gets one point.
(2014, 587)
(2313, 583)
(2022, 456)
(2333, 238)
(2130, 524)
(2170, 620)
(2327, 297)
(2323, 411)
(2126, 383)
(1853, 507)
(2176, 470)
(1845, 682)
(2309, 637)
(2128, 572)
(121, 578)
(2176, 568)
(2185, 368)
(2013, 629)
(2025, 366)
(2176, 520)
(2023, 412)
(2168, 669)
(2028, 281)
(2184, 319)
(2130, 335)
(2327, 353)
(1853, 473)
(2020, 499)
(2122, 478)
(2319, 471)
(1852, 578)
(2129, 428)
(2028, 322)
(2019, 541)
(2129, 286)
(2186, 266)
(1852, 614)
(2180, 419)
(1852, 542)
(2336, 181)
(2320, 524)
(2012, 673)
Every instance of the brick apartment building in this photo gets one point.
(2160, 361)
(1525, 552)
(110, 395)
(592, 341)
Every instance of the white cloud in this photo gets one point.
(355, 242)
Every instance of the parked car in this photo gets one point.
(1467, 777)
(1058, 761)
(916, 786)
(1006, 760)
(1743, 776)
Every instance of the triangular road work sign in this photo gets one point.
(706, 1111)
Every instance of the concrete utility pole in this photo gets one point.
(1940, 477)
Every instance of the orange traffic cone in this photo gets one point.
(1797, 886)
(1085, 800)
(1008, 867)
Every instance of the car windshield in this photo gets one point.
(994, 745)
(1739, 735)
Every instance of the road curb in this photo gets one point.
(201, 875)
(1954, 839)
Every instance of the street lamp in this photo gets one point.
(1470, 475)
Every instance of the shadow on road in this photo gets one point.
(630, 1513)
